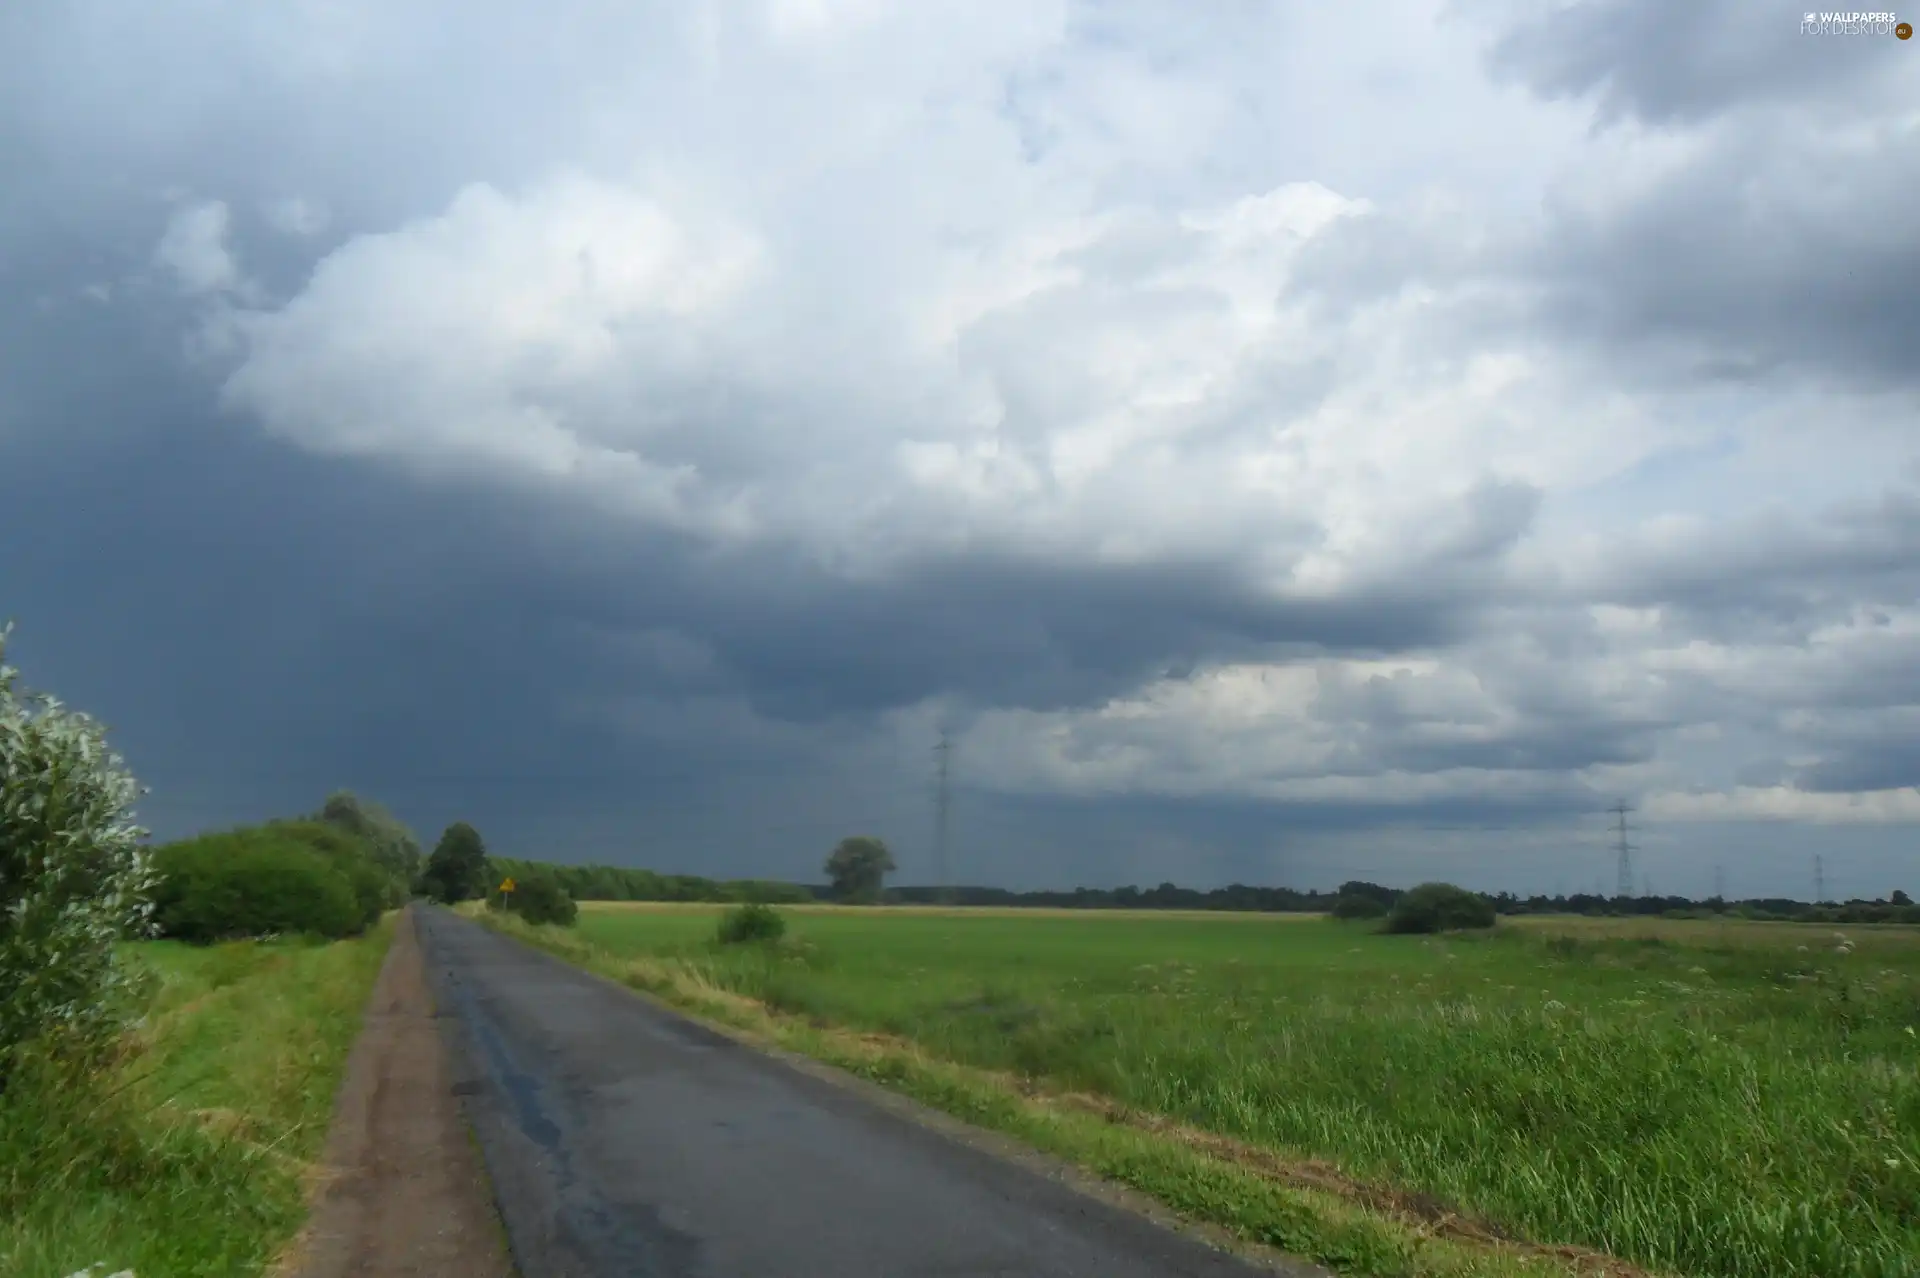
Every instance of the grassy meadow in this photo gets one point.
(1693, 1097)
(190, 1155)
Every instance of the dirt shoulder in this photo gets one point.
(401, 1189)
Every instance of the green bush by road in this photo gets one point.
(269, 880)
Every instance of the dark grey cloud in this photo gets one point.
(1887, 764)
(1667, 64)
(1781, 577)
(260, 625)
(1770, 255)
(1773, 249)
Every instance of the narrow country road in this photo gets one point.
(626, 1142)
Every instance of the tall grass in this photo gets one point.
(1700, 1104)
(187, 1153)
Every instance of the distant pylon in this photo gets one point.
(943, 752)
(1819, 880)
(1624, 848)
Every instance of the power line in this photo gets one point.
(1624, 848)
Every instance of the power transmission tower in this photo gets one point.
(941, 804)
(1624, 848)
(1819, 880)
(1719, 883)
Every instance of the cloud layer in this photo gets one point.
(1469, 417)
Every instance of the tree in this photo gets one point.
(858, 868)
(1386, 896)
(74, 875)
(1353, 905)
(457, 870)
(1900, 898)
(390, 842)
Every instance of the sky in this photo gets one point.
(1275, 443)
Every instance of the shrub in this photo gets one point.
(1440, 907)
(354, 858)
(74, 877)
(1358, 907)
(537, 897)
(751, 922)
(255, 882)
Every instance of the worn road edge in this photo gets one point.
(400, 1188)
(528, 1210)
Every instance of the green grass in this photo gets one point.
(1698, 1098)
(190, 1155)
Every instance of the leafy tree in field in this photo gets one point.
(1371, 891)
(1352, 906)
(858, 868)
(457, 870)
(392, 844)
(74, 877)
(1440, 907)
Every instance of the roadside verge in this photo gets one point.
(401, 1188)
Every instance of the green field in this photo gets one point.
(191, 1155)
(1698, 1098)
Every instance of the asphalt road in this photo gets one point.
(623, 1140)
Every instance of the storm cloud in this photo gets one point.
(1275, 447)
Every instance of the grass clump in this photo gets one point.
(749, 923)
(1439, 907)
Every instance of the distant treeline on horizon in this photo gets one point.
(621, 883)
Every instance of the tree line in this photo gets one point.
(858, 876)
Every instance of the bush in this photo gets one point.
(356, 860)
(1440, 907)
(1358, 907)
(537, 898)
(751, 922)
(74, 876)
(257, 882)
